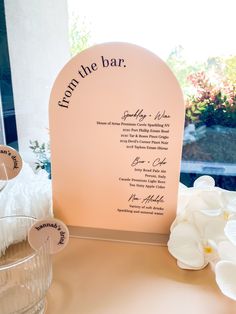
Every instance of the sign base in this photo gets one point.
(119, 235)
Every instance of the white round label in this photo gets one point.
(50, 229)
(10, 162)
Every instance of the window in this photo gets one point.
(8, 132)
(195, 38)
(38, 45)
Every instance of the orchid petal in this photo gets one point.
(231, 206)
(212, 244)
(227, 251)
(230, 231)
(214, 230)
(213, 199)
(204, 182)
(232, 216)
(196, 202)
(183, 201)
(229, 196)
(179, 218)
(185, 245)
(188, 267)
(226, 278)
(211, 212)
(184, 198)
(182, 186)
(200, 220)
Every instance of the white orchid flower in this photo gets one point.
(203, 196)
(194, 248)
(201, 223)
(217, 201)
(204, 231)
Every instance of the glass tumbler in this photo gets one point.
(25, 274)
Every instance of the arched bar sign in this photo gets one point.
(116, 125)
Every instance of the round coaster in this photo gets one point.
(10, 162)
(49, 229)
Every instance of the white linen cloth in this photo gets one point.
(28, 194)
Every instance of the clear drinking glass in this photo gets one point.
(25, 274)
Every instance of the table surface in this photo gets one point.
(102, 277)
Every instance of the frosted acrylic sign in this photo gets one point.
(116, 124)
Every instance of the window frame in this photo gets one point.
(8, 129)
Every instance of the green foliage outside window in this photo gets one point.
(209, 88)
(212, 103)
(79, 35)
